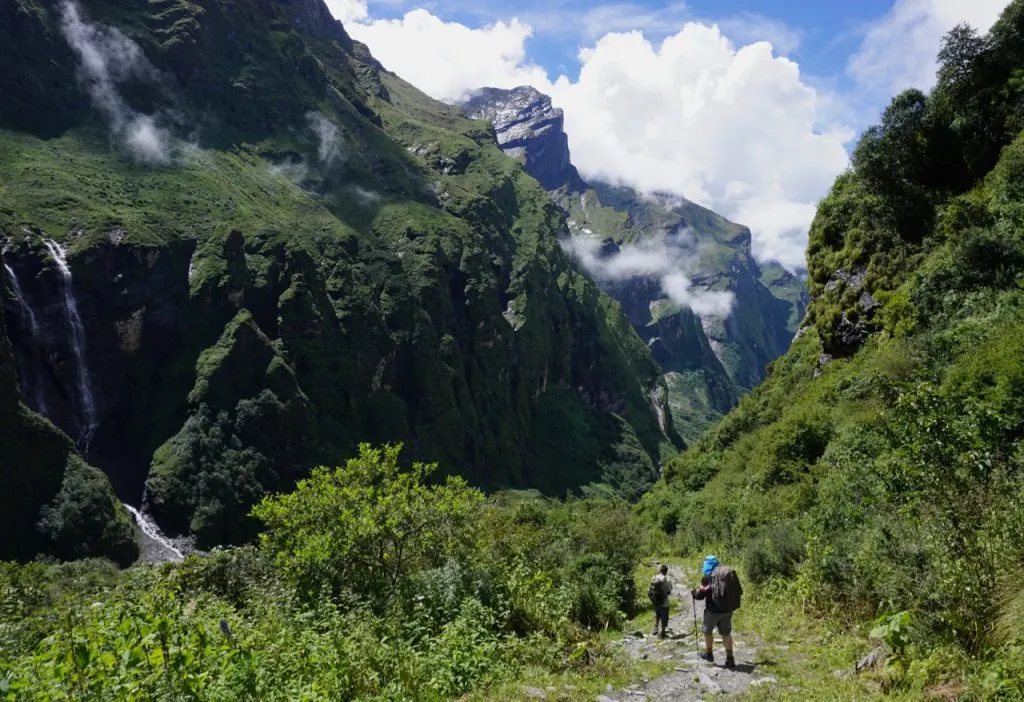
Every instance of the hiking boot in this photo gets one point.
(709, 657)
(730, 662)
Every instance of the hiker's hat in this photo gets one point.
(710, 562)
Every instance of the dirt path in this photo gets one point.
(693, 679)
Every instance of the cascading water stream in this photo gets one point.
(19, 295)
(39, 401)
(88, 408)
(150, 529)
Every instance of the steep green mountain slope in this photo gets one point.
(277, 250)
(671, 263)
(880, 465)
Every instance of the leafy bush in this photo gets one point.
(366, 527)
(775, 553)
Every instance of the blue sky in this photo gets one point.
(824, 33)
(748, 107)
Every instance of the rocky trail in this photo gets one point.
(693, 679)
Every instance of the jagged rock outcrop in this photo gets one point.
(710, 359)
(530, 130)
(311, 254)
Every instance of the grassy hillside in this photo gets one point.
(878, 468)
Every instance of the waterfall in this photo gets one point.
(147, 527)
(39, 401)
(19, 295)
(85, 395)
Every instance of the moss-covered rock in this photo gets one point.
(251, 430)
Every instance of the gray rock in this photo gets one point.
(706, 680)
(873, 660)
(535, 693)
(529, 129)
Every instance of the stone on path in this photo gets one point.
(535, 693)
(713, 687)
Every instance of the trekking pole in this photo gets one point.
(696, 636)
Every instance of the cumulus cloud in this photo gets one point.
(899, 51)
(348, 10)
(108, 58)
(670, 261)
(735, 129)
(432, 54)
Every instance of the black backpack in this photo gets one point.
(726, 590)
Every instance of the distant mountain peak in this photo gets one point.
(530, 129)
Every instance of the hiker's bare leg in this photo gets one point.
(709, 641)
(727, 640)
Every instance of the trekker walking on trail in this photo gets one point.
(658, 592)
(720, 588)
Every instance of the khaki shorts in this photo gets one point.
(723, 620)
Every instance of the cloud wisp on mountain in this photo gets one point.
(108, 58)
(669, 260)
(330, 144)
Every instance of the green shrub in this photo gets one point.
(367, 526)
(776, 552)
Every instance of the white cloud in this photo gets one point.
(733, 129)
(446, 59)
(328, 137)
(899, 51)
(348, 10)
(107, 58)
(670, 260)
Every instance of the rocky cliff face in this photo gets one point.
(275, 250)
(711, 355)
(529, 129)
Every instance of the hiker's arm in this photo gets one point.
(700, 593)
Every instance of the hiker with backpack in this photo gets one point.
(720, 588)
(658, 592)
